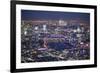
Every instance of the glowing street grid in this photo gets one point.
(54, 36)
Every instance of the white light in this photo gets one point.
(25, 33)
(75, 30)
(78, 30)
(36, 28)
(81, 43)
(44, 27)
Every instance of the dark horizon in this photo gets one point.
(54, 15)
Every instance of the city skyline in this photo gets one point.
(54, 36)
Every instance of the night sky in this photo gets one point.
(53, 15)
